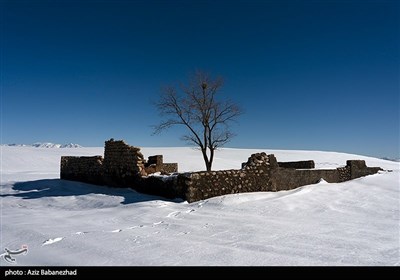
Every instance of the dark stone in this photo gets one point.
(306, 164)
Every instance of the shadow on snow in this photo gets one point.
(57, 187)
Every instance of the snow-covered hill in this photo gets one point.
(72, 223)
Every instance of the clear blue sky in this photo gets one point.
(315, 75)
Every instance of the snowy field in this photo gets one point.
(71, 223)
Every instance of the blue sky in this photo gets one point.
(314, 75)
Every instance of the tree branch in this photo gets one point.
(197, 108)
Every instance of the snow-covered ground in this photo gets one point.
(72, 223)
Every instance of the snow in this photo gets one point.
(51, 241)
(72, 223)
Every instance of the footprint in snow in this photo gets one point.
(200, 204)
(133, 227)
(183, 233)
(80, 232)
(174, 214)
(51, 241)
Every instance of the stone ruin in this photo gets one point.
(125, 166)
(120, 161)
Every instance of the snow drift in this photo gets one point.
(72, 223)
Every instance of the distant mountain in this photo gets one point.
(46, 145)
(71, 145)
(16, 145)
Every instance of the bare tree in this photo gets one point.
(196, 107)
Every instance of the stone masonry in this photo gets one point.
(253, 177)
(122, 160)
(305, 164)
(156, 164)
(263, 173)
(125, 166)
(122, 165)
(84, 169)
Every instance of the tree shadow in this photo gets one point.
(57, 187)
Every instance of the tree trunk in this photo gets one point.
(206, 161)
(208, 165)
(211, 158)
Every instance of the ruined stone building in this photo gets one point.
(125, 166)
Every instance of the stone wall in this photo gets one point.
(122, 166)
(84, 169)
(263, 173)
(156, 164)
(344, 173)
(125, 166)
(358, 169)
(203, 185)
(305, 164)
(288, 178)
(253, 177)
(169, 168)
(122, 160)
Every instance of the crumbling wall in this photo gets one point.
(263, 173)
(358, 169)
(121, 160)
(125, 166)
(344, 173)
(83, 169)
(289, 178)
(160, 186)
(169, 167)
(253, 177)
(156, 164)
(122, 166)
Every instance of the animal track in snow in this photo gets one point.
(116, 230)
(51, 241)
(174, 214)
(81, 232)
